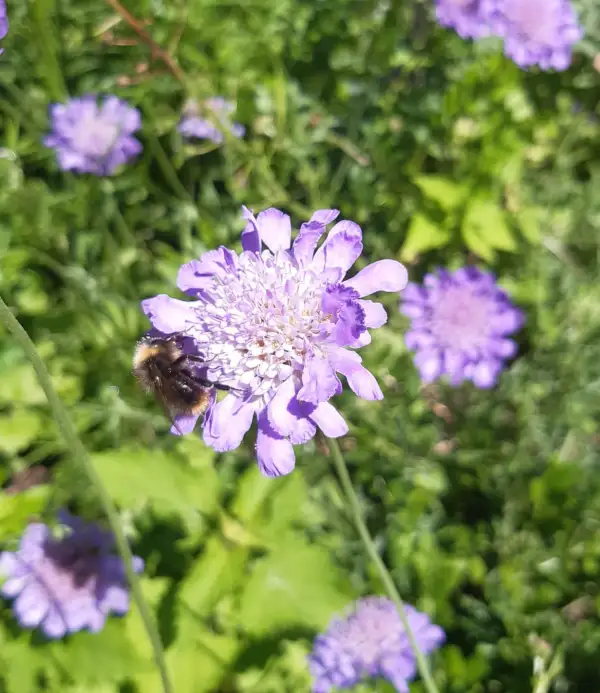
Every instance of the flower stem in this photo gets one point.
(384, 574)
(78, 451)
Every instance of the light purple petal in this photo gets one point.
(502, 348)
(287, 416)
(306, 241)
(414, 292)
(54, 625)
(13, 586)
(250, 236)
(375, 313)
(341, 249)
(485, 373)
(329, 420)
(169, 315)
(507, 322)
(184, 424)
(325, 216)
(319, 381)
(116, 599)
(361, 381)
(275, 229)
(363, 340)
(454, 362)
(32, 541)
(199, 274)
(274, 454)
(228, 424)
(31, 606)
(383, 275)
(429, 364)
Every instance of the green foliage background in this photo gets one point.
(486, 505)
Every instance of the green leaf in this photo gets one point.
(295, 585)
(197, 659)
(423, 234)
(214, 573)
(444, 191)
(21, 665)
(94, 658)
(528, 219)
(485, 229)
(18, 430)
(165, 481)
(16, 510)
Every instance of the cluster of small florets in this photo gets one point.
(535, 32)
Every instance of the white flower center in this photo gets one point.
(93, 136)
(371, 632)
(260, 322)
(534, 19)
(460, 318)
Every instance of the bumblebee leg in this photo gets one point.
(188, 358)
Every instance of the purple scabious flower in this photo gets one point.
(459, 326)
(92, 138)
(3, 22)
(464, 16)
(192, 123)
(63, 585)
(278, 324)
(535, 32)
(370, 641)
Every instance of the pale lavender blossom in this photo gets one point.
(277, 324)
(535, 32)
(193, 124)
(371, 642)
(65, 584)
(459, 326)
(464, 16)
(93, 138)
(3, 22)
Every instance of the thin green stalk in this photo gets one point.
(44, 12)
(384, 574)
(78, 451)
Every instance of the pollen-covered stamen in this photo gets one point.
(260, 321)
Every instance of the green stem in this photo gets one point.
(384, 574)
(79, 452)
(44, 12)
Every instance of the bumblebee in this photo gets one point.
(164, 370)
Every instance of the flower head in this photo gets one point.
(92, 138)
(370, 641)
(464, 16)
(460, 321)
(192, 123)
(3, 21)
(66, 584)
(277, 324)
(535, 32)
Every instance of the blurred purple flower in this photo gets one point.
(370, 641)
(464, 16)
(277, 324)
(66, 584)
(3, 22)
(192, 124)
(460, 321)
(535, 32)
(89, 138)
